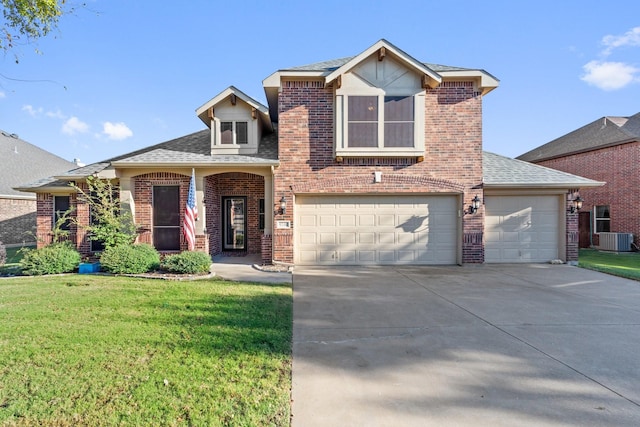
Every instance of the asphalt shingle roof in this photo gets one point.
(190, 149)
(334, 64)
(22, 162)
(196, 148)
(604, 132)
(505, 171)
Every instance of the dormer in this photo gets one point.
(237, 122)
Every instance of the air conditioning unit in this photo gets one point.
(618, 242)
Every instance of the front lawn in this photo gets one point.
(623, 264)
(12, 264)
(101, 350)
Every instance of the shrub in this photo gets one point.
(130, 259)
(52, 259)
(187, 263)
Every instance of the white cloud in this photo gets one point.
(2, 94)
(116, 131)
(33, 112)
(630, 38)
(609, 75)
(74, 126)
(55, 114)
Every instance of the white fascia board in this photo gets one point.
(274, 79)
(19, 197)
(231, 90)
(486, 81)
(407, 59)
(193, 165)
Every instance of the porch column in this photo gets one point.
(268, 204)
(127, 204)
(202, 215)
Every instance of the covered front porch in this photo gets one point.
(235, 209)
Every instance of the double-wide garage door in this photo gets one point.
(375, 230)
(522, 228)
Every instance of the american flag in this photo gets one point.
(191, 213)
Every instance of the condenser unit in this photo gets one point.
(619, 242)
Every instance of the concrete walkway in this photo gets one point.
(246, 269)
(525, 345)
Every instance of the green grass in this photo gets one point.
(101, 350)
(12, 265)
(623, 264)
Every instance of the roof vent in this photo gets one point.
(14, 135)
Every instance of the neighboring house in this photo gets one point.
(21, 162)
(608, 150)
(373, 159)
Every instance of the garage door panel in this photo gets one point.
(308, 220)
(327, 221)
(376, 229)
(386, 238)
(347, 238)
(327, 238)
(366, 238)
(366, 220)
(308, 238)
(405, 238)
(347, 220)
(521, 228)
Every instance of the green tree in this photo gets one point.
(110, 224)
(24, 21)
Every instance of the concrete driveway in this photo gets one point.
(526, 345)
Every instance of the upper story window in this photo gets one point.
(234, 133)
(602, 219)
(371, 125)
(380, 110)
(380, 125)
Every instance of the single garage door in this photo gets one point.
(521, 228)
(361, 230)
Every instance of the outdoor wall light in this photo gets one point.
(283, 206)
(473, 207)
(576, 204)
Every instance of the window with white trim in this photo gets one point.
(235, 133)
(602, 219)
(380, 124)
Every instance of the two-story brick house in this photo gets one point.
(608, 150)
(372, 159)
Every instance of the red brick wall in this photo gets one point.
(143, 198)
(452, 161)
(44, 219)
(234, 184)
(619, 167)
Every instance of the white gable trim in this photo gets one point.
(434, 79)
(202, 111)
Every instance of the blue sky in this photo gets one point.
(120, 75)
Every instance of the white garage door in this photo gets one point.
(359, 230)
(521, 228)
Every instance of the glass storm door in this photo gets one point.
(166, 217)
(234, 226)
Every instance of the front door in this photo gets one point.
(234, 223)
(584, 226)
